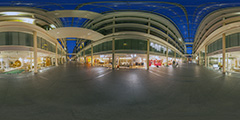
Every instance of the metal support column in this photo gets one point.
(61, 57)
(167, 56)
(148, 48)
(206, 49)
(148, 43)
(56, 55)
(113, 53)
(223, 52)
(113, 45)
(175, 56)
(31, 55)
(84, 56)
(92, 55)
(35, 51)
(208, 62)
(227, 63)
(199, 58)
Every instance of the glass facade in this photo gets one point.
(16, 38)
(231, 41)
(130, 44)
(25, 39)
(45, 45)
(106, 46)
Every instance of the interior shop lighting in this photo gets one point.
(25, 60)
(126, 58)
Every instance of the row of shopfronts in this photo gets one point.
(24, 61)
(214, 57)
(129, 53)
(215, 62)
(17, 53)
(133, 61)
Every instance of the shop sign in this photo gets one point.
(157, 46)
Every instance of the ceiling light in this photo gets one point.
(52, 26)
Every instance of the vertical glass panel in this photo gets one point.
(105, 46)
(8, 38)
(38, 42)
(29, 40)
(238, 39)
(15, 38)
(227, 41)
(22, 39)
(2, 38)
(234, 39)
(109, 45)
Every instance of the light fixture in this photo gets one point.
(11, 13)
(180, 39)
(52, 26)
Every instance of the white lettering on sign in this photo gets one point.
(157, 47)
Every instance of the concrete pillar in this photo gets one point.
(223, 51)
(167, 56)
(35, 51)
(227, 62)
(113, 45)
(1, 62)
(113, 53)
(175, 56)
(84, 56)
(208, 62)
(56, 55)
(199, 58)
(30, 53)
(148, 48)
(92, 55)
(148, 43)
(206, 49)
(52, 60)
(61, 56)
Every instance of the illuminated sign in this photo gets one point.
(157, 46)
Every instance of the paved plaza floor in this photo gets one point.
(76, 92)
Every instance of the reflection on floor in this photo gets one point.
(74, 91)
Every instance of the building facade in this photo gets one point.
(132, 39)
(217, 41)
(24, 40)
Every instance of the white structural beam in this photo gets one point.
(76, 32)
(74, 13)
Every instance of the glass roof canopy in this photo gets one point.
(184, 14)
